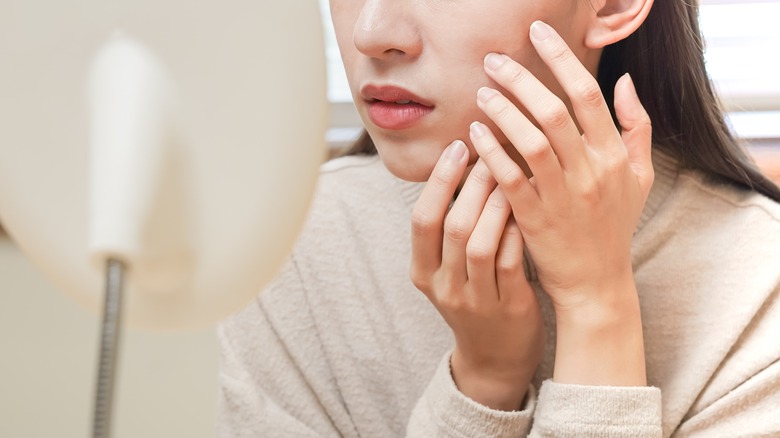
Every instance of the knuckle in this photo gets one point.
(455, 305)
(502, 111)
(556, 115)
(539, 150)
(493, 151)
(497, 205)
(442, 177)
(422, 223)
(481, 175)
(590, 192)
(645, 126)
(560, 54)
(508, 263)
(616, 164)
(513, 179)
(517, 75)
(645, 120)
(478, 253)
(590, 93)
(420, 280)
(457, 228)
(448, 297)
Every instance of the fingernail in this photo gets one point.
(455, 151)
(540, 31)
(493, 61)
(630, 84)
(484, 94)
(477, 130)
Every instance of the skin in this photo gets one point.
(532, 108)
(435, 49)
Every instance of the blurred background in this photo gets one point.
(167, 382)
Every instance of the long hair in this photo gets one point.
(665, 58)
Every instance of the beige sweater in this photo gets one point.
(342, 344)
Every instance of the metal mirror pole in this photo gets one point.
(109, 348)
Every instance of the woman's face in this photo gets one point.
(430, 52)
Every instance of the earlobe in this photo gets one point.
(616, 20)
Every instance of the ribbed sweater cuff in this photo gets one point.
(450, 413)
(566, 410)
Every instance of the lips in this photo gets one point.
(394, 108)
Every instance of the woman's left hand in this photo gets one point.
(579, 210)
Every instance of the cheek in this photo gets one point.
(344, 15)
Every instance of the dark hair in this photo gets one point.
(677, 93)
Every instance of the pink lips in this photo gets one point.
(394, 108)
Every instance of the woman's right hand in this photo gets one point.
(468, 260)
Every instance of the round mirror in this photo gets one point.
(183, 138)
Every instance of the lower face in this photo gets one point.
(435, 50)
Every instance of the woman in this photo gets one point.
(582, 273)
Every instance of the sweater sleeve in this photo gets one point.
(741, 398)
(252, 406)
(566, 410)
(443, 411)
(244, 411)
(262, 389)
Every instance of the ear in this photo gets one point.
(615, 20)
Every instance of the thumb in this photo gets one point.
(637, 131)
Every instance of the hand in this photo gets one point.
(468, 261)
(579, 210)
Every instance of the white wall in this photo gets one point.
(48, 356)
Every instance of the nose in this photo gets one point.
(386, 30)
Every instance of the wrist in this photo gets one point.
(600, 341)
(498, 389)
(598, 305)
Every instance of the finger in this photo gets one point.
(581, 87)
(529, 141)
(547, 109)
(637, 131)
(510, 273)
(483, 245)
(462, 218)
(430, 210)
(510, 177)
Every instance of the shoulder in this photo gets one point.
(729, 246)
(740, 223)
(357, 199)
(716, 235)
(353, 171)
(738, 198)
(699, 203)
(734, 210)
(345, 183)
(361, 183)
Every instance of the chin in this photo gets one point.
(412, 172)
(413, 163)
